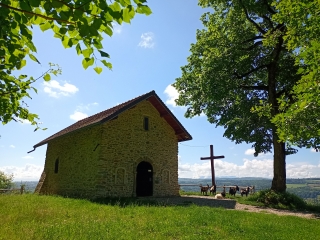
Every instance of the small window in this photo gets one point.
(56, 166)
(146, 123)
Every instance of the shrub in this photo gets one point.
(279, 199)
(5, 180)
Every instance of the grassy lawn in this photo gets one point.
(31, 216)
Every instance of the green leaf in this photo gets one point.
(22, 77)
(63, 30)
(107, 64)
(123, 3)
(115, 7)
(78, 48)
(47, 77)
(108, 16)
(86, 62)
(65, 41)
(98, 69)
(31, 46)
(32, 57)
(108, 30)
(25, 6)
(34, 3)
(125, 15)
(139, 1)
(104, 54)
(22, 64)
(97, 44)
(144, 10)
(87, 52)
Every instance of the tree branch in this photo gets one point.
(83, 4)
(252, 39)
(287, 93)
(252, 46)
(35, 14)
(270, 9)
(250, 20)
(77, 8)
(268, 20)
(279, 47)
(251, 71)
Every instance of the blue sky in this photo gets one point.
(146, 55)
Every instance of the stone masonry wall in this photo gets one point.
(125, 144)
(78, 157)
(101, 161)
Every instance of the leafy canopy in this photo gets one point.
(302, 119)
(79, 24)
(237, 70)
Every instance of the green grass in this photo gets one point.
(31, 216)
(268, 198)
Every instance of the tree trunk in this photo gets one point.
(279, 155)
(279, 165)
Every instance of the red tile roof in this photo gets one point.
(111, 113)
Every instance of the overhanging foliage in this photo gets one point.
(79, 24)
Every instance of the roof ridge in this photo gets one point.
(90, 120)
(112, 112)
(117, 106)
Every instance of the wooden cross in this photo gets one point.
(212, 157)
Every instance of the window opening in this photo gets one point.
(56, 166)
(146, 123)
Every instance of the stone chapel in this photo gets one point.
(130, 150)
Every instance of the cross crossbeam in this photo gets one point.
(211, 158)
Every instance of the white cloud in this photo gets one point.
(12, 146)
(79, 113)
(147, 40)
(249, 168)
(88, 106)
(54, 89)
(249, 151)
(29, 172)
(117, 28)
(313, 150)
(172, 94)
(28, 157)
(76, 116)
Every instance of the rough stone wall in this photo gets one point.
(125, 143)
(101, 161)
(78, 154)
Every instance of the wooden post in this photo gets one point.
(22, 189)
(211, 158)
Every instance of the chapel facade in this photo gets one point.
(130, 150)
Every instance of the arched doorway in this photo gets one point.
(144, 179)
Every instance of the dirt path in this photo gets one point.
(249, 208)
(231, 205)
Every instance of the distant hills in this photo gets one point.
(306, 188)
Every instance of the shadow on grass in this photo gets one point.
(185, 201)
